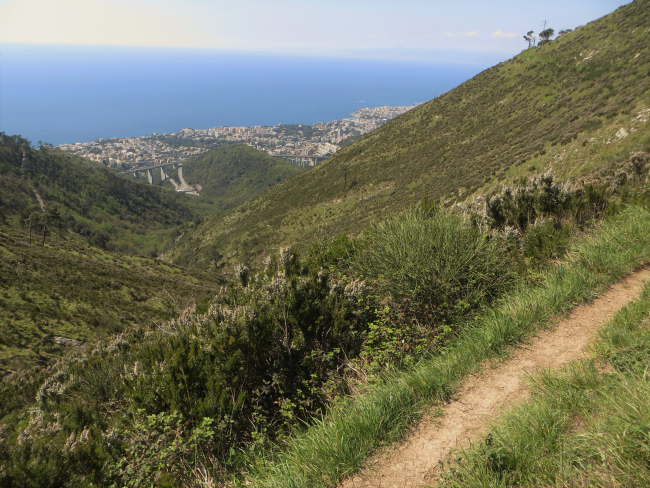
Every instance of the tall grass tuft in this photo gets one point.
(436, 261)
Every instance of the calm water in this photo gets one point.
(76, 94)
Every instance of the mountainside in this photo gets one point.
(562, 106)
(111, 211)
(301, 368)
(56, 297)
(234, 173)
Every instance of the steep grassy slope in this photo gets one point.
(234, 173)
(558, 106)
(109, 210)
(74, 291)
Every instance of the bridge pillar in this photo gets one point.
(163, 175)
(136, 174)
(150, 176)
(184, 185)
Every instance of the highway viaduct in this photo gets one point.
(163, 175)
(149, 170)
(297, 160)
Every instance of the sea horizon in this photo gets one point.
(66, 93)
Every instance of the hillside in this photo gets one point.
(559, 106)
(54, 298)
(298, 370)
(234, 173)
(109, 210)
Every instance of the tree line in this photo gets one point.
(544, 36)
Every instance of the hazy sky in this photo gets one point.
(396, 29)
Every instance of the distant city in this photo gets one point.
(304, 145)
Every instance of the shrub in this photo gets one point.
(544, 240)
(436, 261)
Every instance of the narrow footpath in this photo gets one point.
(483, 396)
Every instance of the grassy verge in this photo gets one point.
(582, 426)
(337, 445)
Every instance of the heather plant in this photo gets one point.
(162, 449)
(536, 219)
(542, 197)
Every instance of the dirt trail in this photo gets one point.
(483, 396)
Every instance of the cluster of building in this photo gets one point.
(304, 145)
(131, 152)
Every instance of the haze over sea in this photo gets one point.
(66, 93)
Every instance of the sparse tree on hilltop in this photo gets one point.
(530, 38)
(545, 36)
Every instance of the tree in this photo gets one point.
(530, 37)
(34, 221)
(563, 31)
(51, 219)
(545, 36)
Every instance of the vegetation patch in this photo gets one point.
(336, 446)
(288, 343)
(70, 290)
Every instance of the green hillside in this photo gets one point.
(558, 106)
(111, 211)
(298, 369)
(234, 173)
(69, 290)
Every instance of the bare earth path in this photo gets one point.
(484, 395)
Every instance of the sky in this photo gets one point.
(425, 30)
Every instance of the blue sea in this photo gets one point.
(65, 94)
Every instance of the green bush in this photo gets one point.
(161, 449)
(437, 262)
(541, 197)
(545, 240)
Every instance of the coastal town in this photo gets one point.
(304, 145)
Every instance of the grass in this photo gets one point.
(585, 425)
(337, 445)
(434, 260)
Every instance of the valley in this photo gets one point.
(289, 326)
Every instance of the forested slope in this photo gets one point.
(111, 211)
(234, 173)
